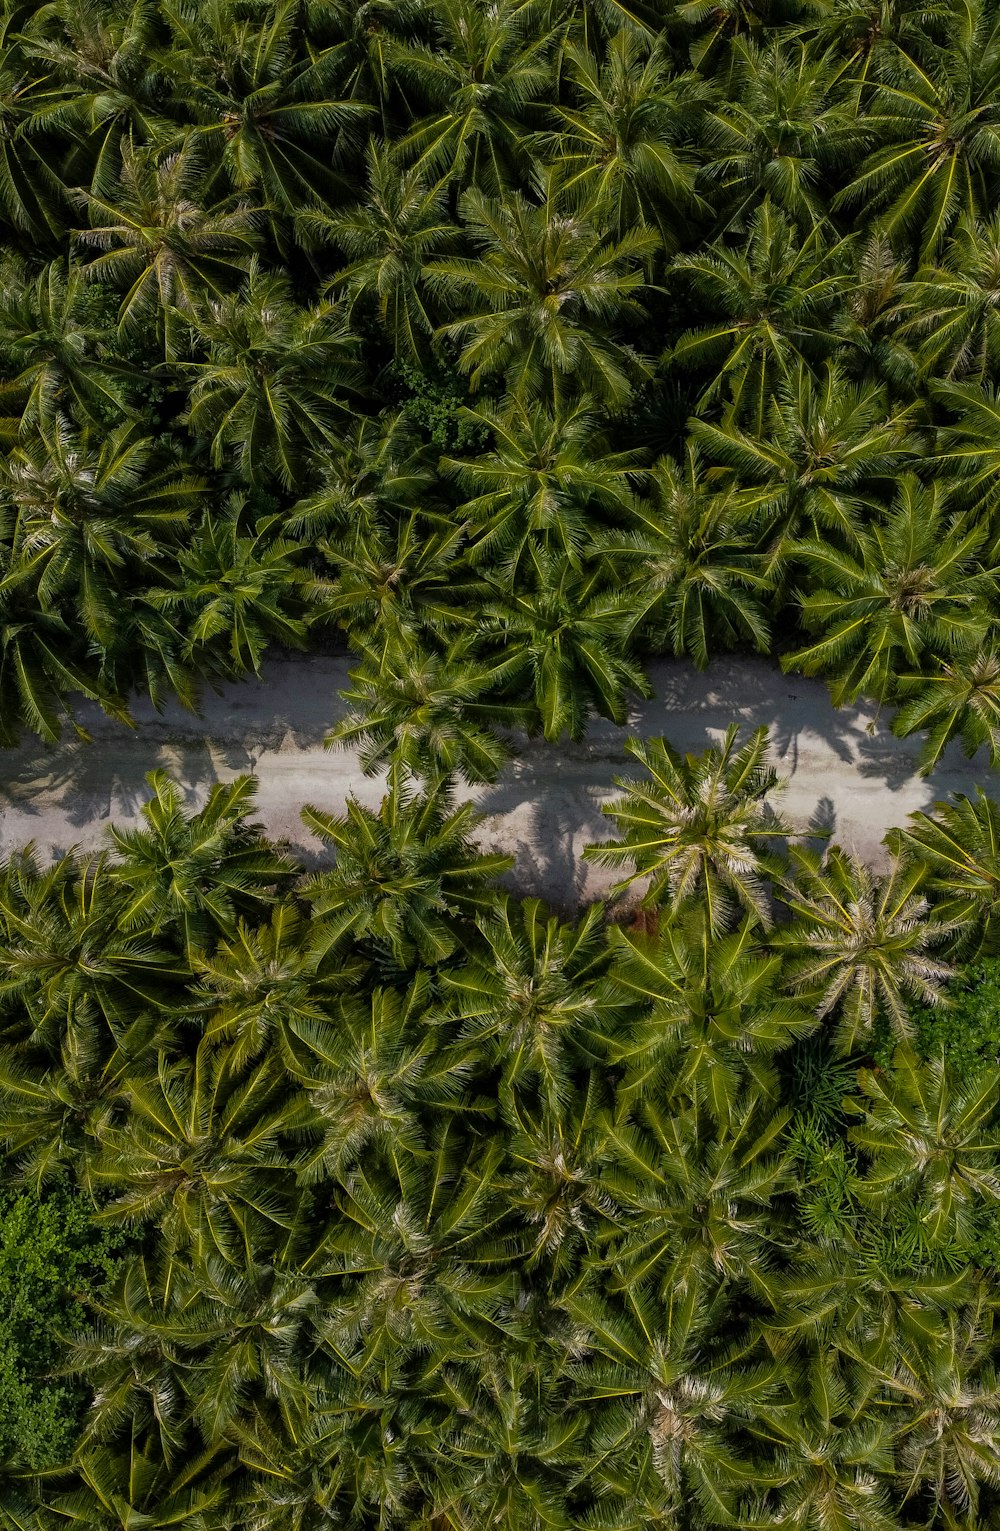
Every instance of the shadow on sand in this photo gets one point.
(845, 771)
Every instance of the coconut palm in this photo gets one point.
(191, 875)
(626, 140)
(374, 471)
(202, 1155)
(695, 577)
(116, 1483)
(432, 712)
(698, 829)
(267, 105)
(947, 1450)
(374, 1076)
(94, 84)
(391, 576)
(768, 136)
(549, 480)
(770, 301)
(832, 1460)
(959, 698)
(541, 295)
(930, 1143)
(52, 351)
(936, 134)
(65, 957)
(156, 242)
(475, 83)
(713, 1017)
(388, 241)
(84, 519)
(821, 458)
(272, 378)
(698, 1207)
(860, 945)
(914, 592)
(959, 845)
(239, 587)
(51, 1113)
(950, 308)
(527, 1003)
(562, 642)
(404, 875)
(670, 1404)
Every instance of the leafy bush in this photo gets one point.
(966, 1029)
(52, 1256)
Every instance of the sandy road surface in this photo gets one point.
(843, 769)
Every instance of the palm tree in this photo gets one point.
(833, 1457)
(51, 1112)
(93, 85)
(265, 103)
(202, 1156)
(670, 1404)
(936, 133)
(950, 308)
(372, 474)
(820, 458)
(527, 1002)
(476, 83)
(420, 1258)
(957, 698)
(915, 590)
(115, 1484)
(947, 1452)
(52, 351)
(85, 519)
(541, 295)
(562, 642)
(771, 301)
(931, 1145)
(861, 946)
(876, 339)
(404, 877)
(626, 141)
(392, 574)
(561, 1189)
(264, 985)
(698, 1208)
(374, 1075)
(967, 446)
(168, 253)
(190, 876)
(698, 830)
(694, 575)
(39, 674)
(388, 240)
(272, 377)
(549, 480)
(959, 846)
(64, 957)
(432, 712)
(712, 1015)
(33, 199)
(768, 135)
(239, 587)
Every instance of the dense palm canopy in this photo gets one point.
(424, 1201)
(664, 297)
(506, 343)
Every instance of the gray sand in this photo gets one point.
(844, 770)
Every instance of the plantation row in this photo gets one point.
(386, 320)
(381, 1198)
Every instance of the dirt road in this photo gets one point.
(844, 769)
